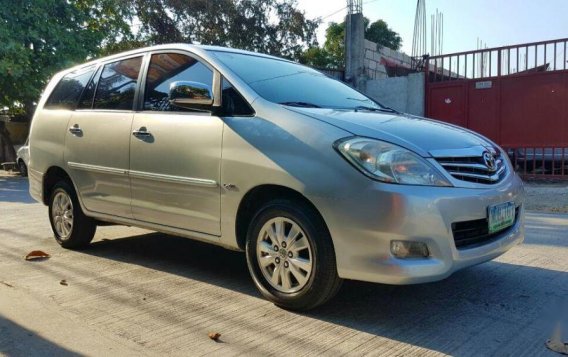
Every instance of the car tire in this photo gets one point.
(290, 256)
(23, 168)
(72, 229)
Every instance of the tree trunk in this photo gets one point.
(7, 152)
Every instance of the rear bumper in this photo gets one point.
(36, 184)
(363, 228)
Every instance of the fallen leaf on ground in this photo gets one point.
(214, 336)
(555, 343)
(36, 255)
(63, 282)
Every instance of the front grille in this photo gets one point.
(473, 233)
(473, 169)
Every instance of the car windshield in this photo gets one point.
(292, 84)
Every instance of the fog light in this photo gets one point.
(408, 249)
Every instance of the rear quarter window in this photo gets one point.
(66, 93)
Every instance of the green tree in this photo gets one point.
(40, 37)
(275, 27)
(380, 33)
(332, 54)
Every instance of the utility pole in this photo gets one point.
(355, 45)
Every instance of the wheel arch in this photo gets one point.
(52, 176)
(258, 196)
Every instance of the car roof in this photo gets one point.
(202, 50)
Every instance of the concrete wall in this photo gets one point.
(405, 94)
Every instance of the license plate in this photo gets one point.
(501, 216)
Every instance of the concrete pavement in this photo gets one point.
(139, 292)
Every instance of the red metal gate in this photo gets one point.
(515, 95)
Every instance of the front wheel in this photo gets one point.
(290, 256)
(72, 229)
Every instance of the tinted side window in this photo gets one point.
(86, 100)
(166, 68)
(233, 103)
(67, 92)
(117, 85)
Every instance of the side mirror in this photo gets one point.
(188, 94)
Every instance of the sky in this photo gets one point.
(495, 22)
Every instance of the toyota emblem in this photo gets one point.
(489, 160)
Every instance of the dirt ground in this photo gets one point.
(546, 197)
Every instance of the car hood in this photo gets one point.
(421, 135)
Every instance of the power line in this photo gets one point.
(333, 13)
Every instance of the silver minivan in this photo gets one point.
(315, 181)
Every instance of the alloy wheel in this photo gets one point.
(62, 214)
(284, 255)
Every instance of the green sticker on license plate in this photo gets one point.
(500, 216)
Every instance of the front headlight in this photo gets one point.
(390, 163)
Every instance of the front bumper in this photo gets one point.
(362, 227)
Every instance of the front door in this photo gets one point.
(175, 153)
(98, 139)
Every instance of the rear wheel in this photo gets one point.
(72, 229)
(290, 256)
(23, 168)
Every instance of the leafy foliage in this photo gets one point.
(41, 37)
(380, 33)
(270, 26)
(332, 54)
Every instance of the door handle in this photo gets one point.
(75, 130)
(142, 133)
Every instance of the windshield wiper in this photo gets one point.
(300, 104)
(374, 109)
